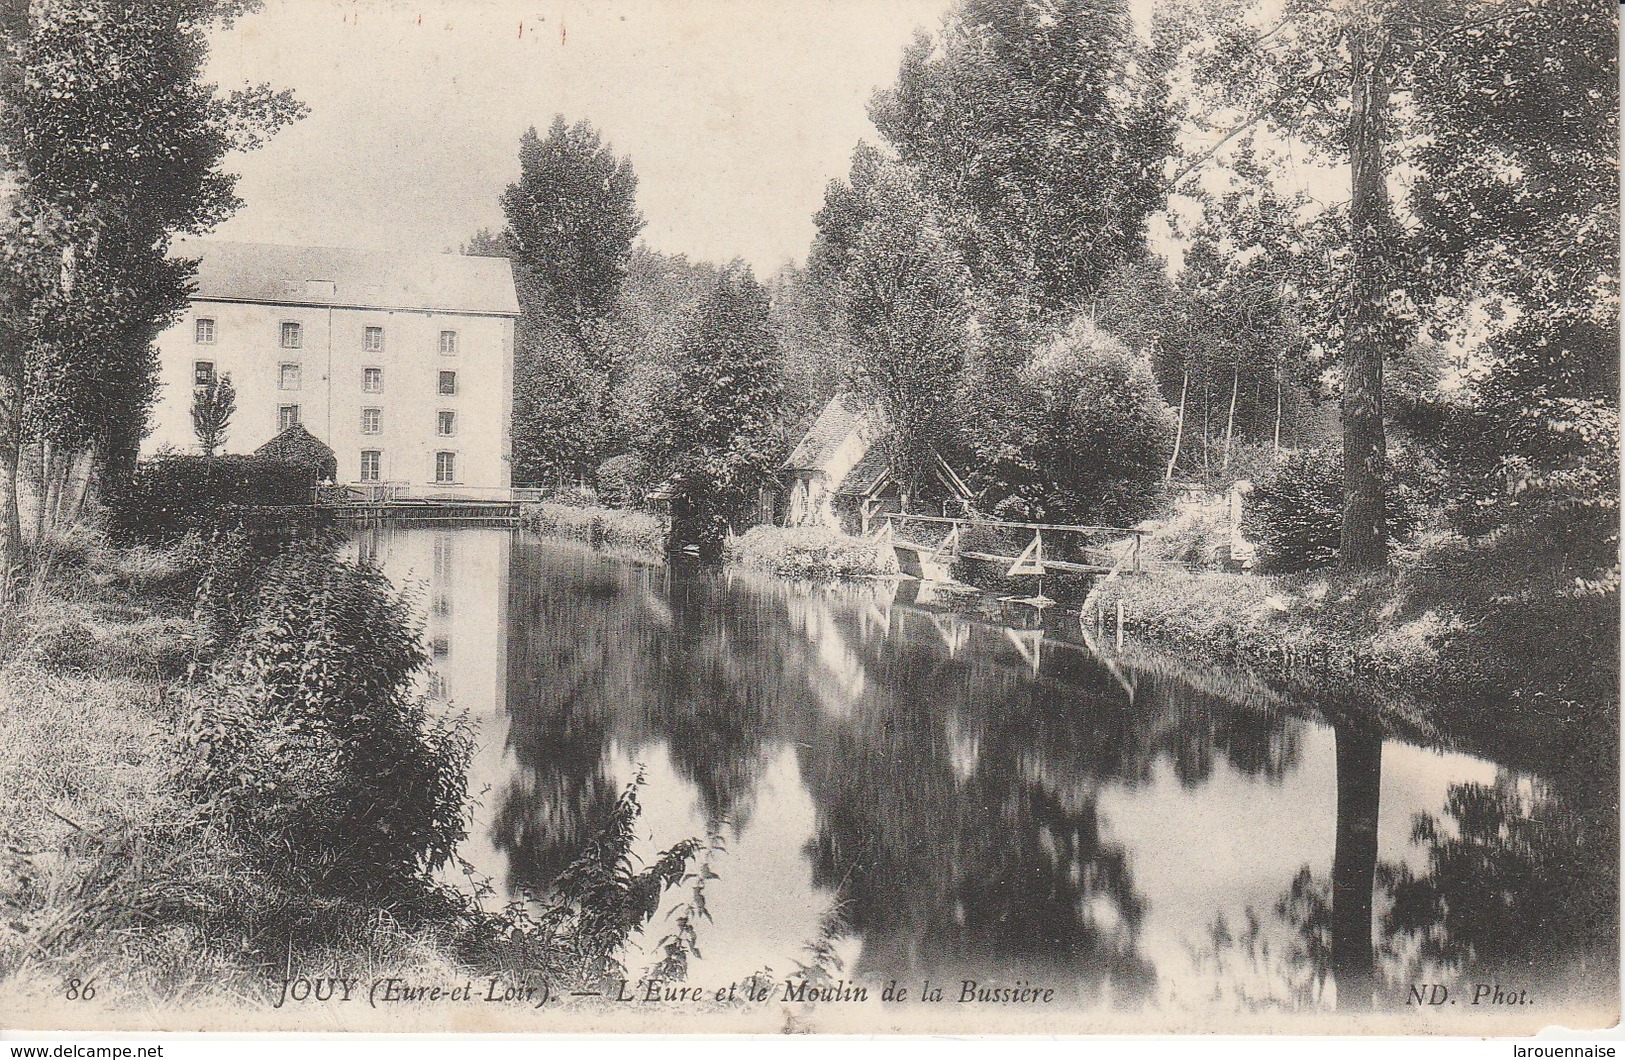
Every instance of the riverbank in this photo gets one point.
(809, 553)
(163, 846)
(1458, 638)
(621, 531)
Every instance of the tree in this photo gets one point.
(723, 427)
(1474, 87)
(112, 145)
(558, 402)
(1093, 436)
(1041, 128)
(212, 409)
(902, 296)
(572, 218)
(1518, 198)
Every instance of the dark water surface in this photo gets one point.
(898, 791)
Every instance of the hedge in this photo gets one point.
(170, 496)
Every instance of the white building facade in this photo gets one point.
(402, 364)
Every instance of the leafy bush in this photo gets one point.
(809, 552)
(623, 481)
(1295, 513)
(1088, 438)
(309, 744)
(616, 529)
(173, 495)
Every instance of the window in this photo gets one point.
(445, 467)
(288, 377)
(371, 420)
(448, 382)
(372, 340)
(448, 342)
(440, 647)
(446, 425)
(202, 373)
(293, 335)
(286, 416)
(205, 331)
(371, 460)
(372, 380)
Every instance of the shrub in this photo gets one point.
(173, 495)
(309, 744)
(623, 481)
(1088, 438)
(616, 529)
(1295, 513)
(810, 552)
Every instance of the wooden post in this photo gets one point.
(1137, 553)
(1119, 625)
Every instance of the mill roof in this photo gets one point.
(834, 425)
(350, 277)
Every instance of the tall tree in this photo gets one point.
(572, 217)
(902, 294)
(1042, 127)
(112, 145)
(723, 413)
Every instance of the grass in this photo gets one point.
(110, 873)
(1489, 640)
(809, 552)
(620, 530)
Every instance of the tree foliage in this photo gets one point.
(902, 297)
(112, 143)
(722, 414)
(1092, 435)
(1041, 129)
(212, 409)
(572, 218)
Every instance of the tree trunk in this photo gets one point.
(1230, 422)
(1179, 431)
(41, 484)
(1364, 540)
(11, 525)
(1354, 864)
(1207, 428)
(1277, 410)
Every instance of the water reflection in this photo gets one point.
(978, 797)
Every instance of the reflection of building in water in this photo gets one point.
(456, 581)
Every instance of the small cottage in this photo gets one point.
(838, 474)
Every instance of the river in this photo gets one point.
(895, 790)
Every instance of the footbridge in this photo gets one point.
(927, 546)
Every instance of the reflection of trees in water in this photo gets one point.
(601, 651)
(1518, 884)
(996, 866)
(1515, 881)
(566, 656)
(955, 791)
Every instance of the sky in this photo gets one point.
(735, 113)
